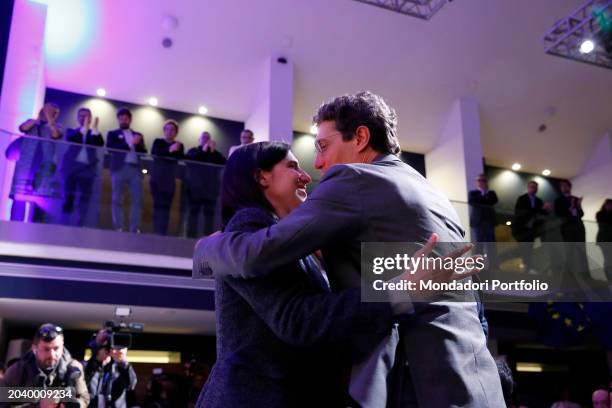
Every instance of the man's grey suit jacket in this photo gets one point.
(449, 364)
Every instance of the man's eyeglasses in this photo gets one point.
(320, 147)
(49, 332)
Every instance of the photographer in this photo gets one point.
(47, 365)
(108, 374)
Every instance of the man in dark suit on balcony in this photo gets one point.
(166, 151)
(527, 224)
(482, 218)
(203, 181)
(125, 170)
(80, 166)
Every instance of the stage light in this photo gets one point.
(508, 223)
(529, 367)
(153, 101)
(585, 35)
(314, 129)
(587, 46)
(516, 166)
(546, 172)
(101, 92)
(202, 110)
(145, 171)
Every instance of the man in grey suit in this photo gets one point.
(368, 195)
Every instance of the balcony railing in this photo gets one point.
(59, 182)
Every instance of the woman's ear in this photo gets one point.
(263, 178)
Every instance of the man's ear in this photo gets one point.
(362, 138)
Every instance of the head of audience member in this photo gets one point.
(49, 112)
(601, 398)
(246, 137)
(171, 128)
(482, 182)
(532, 187)
(119, 354)
(103, 355)
(265, 175)
(607, 207)
(207, 142)
(48, 345)
(566, 187)
(124, 117)
(83, 116)
(354, 129)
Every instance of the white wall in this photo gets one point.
(23, 86)
(594, 183)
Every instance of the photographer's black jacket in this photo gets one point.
(68, 373)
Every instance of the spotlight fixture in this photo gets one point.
(587, 47)
(585, 35)
(424, 9)
(516, 166)
(153, 101)
(101, 92)
(508, 223)
(546, 172)
(202, 110)
(145, 171)
(314, 129)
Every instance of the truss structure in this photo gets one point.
(590, 21)
(424, 9)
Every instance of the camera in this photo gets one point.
(120, 334)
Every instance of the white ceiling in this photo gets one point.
(490, 50)
(90, 316)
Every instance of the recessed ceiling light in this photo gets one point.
(516, 167)
(314, 129)
(202, 110)
(101, 92)
(546, 172)
(508, 223)
(587, 46)
(153, 101)
(145, 171)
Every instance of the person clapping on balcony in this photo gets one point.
(166, 152)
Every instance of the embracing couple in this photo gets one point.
(292, 330)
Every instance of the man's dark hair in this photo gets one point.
(84, 110)
(48, 332)
(532, 182)
(566, 181)
(363, 109)
(240, 186)
(173, 123)
(249, 131)
(124, 111)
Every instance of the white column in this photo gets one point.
(272, 112)
(453, 164)
(594, 182)
(23, 86)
